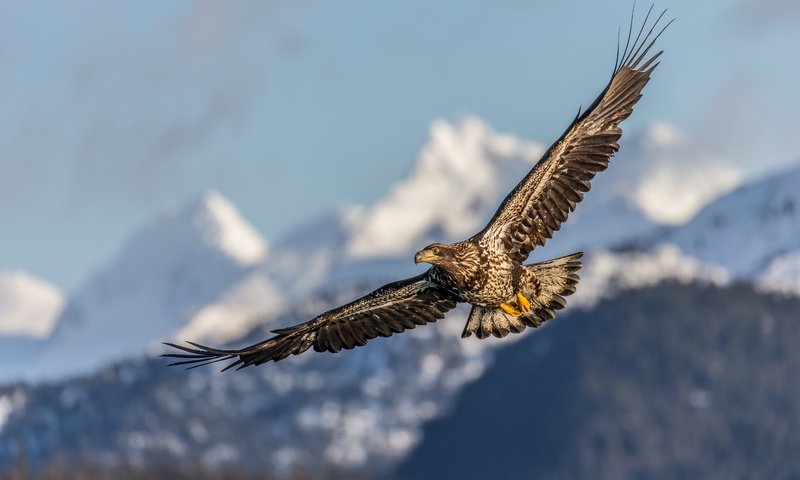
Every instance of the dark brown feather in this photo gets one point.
(557, 182)
(393, 308)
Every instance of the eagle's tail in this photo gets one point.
(545, 284)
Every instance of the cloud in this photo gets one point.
(668, 175)
(211, 24)
(23, 161)
(148, 153)
(749, 121)
(131, 113)
(673, 195)
(758, 16)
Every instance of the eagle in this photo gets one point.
(487, 270)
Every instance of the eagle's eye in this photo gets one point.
(435, 250)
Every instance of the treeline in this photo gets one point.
(64, 471)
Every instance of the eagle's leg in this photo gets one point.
(522, 307)
(511, 309)
(524, 303)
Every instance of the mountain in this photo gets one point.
(165, 274)
(202, 273)
(460, 178)
(672, 381)
(666, 175)
(361, 410)
(29, 311)
(668, 381)
(29, 307)
(753, 231)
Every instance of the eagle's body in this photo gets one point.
(482, 276)
(486, 270)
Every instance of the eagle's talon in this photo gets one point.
(511, 310)
(524, 303)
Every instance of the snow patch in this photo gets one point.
(8, 404)
(747, 228)
(5, 410)
(29, 307)
(782, 274)
(605, 273)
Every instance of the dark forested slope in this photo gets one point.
(675, 381)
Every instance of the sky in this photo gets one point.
(115, 112)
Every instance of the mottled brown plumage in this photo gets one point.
(485, 270)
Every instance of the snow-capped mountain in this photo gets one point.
(753, 231)
(461, 172)
(458, 181)
(165, 274)
(464, 172)
(29, 306)
(203, 273)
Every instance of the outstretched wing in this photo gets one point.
(537, 207)
(390, 309)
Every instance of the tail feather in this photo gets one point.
(545, 284)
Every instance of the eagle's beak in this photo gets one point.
(424, 256)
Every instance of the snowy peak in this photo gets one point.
(220, 224)
(749, 227)
(466, 169)
(181, 258)
(208, 229)
(29, 307)
(162, 278)
(461, 172)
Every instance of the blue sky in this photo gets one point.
(113, 112)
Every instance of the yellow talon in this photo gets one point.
(511, 310)
(524, 304)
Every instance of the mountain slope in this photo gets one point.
(747, 228)
(164, 275)
(203, 273)
(657, 383)
(357, 411)
(666, 382)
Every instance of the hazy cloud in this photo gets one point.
(669, 175)
(123, 113)
(762, 15)
(749, 122)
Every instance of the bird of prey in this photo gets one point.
(486, 270)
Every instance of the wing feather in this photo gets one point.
(543, 200)
(393, 308)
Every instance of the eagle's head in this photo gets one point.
(460, 260)
(442, 254)
(436, 254)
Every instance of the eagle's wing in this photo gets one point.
(541, 202)
(390, 309)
